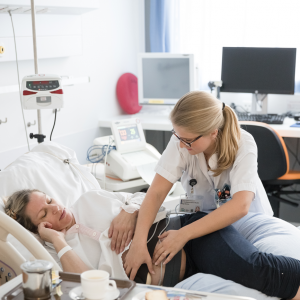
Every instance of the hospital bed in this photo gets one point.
(54, 169)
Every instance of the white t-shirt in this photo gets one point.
(176, 162)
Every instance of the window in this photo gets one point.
(208, 25)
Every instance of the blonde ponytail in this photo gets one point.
(201, 113)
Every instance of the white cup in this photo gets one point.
(95, 284)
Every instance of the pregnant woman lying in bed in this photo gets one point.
(86, 228)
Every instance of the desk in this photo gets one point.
(162, 123)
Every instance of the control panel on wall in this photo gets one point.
(6, 273)
(42, 91)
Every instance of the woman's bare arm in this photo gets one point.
(70, 261)
(154, 198)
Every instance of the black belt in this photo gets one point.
(172, 270)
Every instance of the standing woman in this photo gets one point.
(217, 164)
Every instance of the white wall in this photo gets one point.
(111, 38)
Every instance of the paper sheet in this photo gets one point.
(147, 173)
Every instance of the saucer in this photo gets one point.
(76, 293)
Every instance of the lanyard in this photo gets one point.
(193, 181)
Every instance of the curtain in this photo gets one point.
(164, 25)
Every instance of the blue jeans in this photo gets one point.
(227, 254)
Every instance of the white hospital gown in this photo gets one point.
(94, 212)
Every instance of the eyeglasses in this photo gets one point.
(186, 143)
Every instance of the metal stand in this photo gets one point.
(40, 137)
(259, 103)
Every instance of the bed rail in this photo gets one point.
(9, 253)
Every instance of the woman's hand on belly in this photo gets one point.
(171, 242)
(121, 230)
(137, 255)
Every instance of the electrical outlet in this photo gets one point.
(247, 104)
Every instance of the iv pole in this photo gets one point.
(40, 137)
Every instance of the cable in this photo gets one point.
(153, 232)
(161, 264)
(55, 112)
(104, 179)
(95, 157)
(12, 23)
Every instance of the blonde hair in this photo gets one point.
(15, 208)
(201, 113)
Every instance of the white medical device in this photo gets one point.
(163, 78)
(42, 91)
(132, 150)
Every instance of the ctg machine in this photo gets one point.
(130, 158)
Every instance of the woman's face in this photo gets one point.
(205, 144)
(42, 208)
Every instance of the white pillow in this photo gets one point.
(44, 168)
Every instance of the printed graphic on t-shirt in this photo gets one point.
(223, 195)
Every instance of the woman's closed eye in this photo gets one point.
(46, 209)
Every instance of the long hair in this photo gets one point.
(201, 113)
(15, 207)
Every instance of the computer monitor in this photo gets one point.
(258, 71)
(163, 78)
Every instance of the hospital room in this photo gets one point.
(149, 149)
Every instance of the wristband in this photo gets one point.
(63, 251)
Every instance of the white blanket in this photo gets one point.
(44, 168)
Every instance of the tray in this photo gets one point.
(70, 281)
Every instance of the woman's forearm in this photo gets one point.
(146, 216)
(154, 198)
(222, 217)
(70, 261)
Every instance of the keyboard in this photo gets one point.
(265, 118)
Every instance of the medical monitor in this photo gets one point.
(163, 78)
(258, 70)
(128, 135)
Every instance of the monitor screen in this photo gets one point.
(164, 77)
(129, 133)
(265, 70)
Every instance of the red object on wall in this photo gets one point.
(127, 93)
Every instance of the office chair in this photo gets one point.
(273, 163)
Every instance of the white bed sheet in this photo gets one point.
(44, 168)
